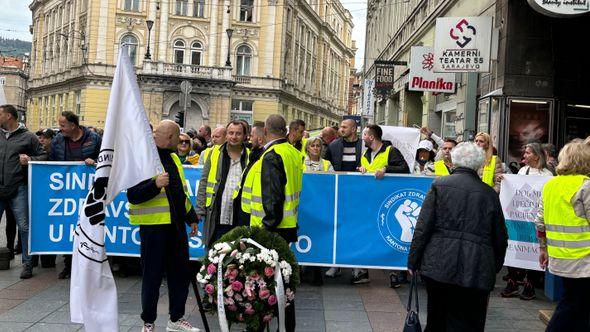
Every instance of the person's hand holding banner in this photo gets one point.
(543, 258)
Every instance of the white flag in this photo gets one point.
(128, 155)
(406, 139)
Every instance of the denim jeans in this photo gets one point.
(20, 207)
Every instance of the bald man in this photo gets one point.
(217, 138)
(162, 209)
(328, 135)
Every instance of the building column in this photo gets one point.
(152, 16)
(269, 45)
(224, 40)
(212, 50)
(163, 37)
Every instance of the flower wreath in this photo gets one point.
(252, 287)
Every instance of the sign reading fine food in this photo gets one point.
(422, 77)
(383, 78)
(463, 44)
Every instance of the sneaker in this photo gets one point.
(333, 272)
(27, 272)
(361, 278)
(394, 280)
(147, 327)
(181, 325)
(65, 274)
(511, 289)
(528, 292)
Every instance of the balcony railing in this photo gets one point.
(184, 70)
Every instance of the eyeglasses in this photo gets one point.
(185, 142)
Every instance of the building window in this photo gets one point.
(244, 55)
(199, 8)
(2, 80)
(179, 52)
(132, 5)
(246, 9)
(241, 110)
(449, 119)
(181, 7)
(196, 53)
(130, 42)
(78, 102)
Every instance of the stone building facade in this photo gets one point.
(287, 57)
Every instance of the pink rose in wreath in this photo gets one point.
(211, 269)
(272, 300)
(254, 276)
(209, 289)
(267, 318)
(232, 274)
(264, 293)
(237, 286)
(269, 271)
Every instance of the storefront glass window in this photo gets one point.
(529, 121)
(448, 128)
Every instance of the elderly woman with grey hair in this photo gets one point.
(459, 244)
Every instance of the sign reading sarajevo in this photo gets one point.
(422, 76)
(463, 44)
(561, 8)
(383, 78)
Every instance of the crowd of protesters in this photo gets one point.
(460, 239)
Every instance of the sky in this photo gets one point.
(15, 19)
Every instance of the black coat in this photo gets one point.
(460, 237)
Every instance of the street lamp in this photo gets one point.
(229, 33)
(150, 24)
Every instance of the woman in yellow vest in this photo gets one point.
(313, 161)
(492, 170)
(563, 230)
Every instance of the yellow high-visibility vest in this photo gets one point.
(207, 152)
(568, 236)
(440, 169)
(488, 172)
(156, 211)
(212, 176)
(292, 163)
(380, 161)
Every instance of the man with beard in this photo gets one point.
(221, 176)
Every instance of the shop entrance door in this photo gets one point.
(577, 122)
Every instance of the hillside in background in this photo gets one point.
(14, 47)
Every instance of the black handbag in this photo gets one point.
(412, 323)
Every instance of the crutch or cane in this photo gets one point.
(199, 301)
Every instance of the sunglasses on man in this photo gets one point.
(185, 141)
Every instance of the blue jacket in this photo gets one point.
(90, 147)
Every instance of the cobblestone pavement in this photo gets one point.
(42, 304)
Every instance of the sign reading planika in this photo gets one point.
(462, 44)
(383, 78)
(422, 77)
(561, 8)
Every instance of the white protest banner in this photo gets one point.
(519, 197)
(463, 44)
(422, 77)
(405, 139)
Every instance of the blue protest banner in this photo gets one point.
(376, 219)
(58, 190)
(344, 219)
(316, 220)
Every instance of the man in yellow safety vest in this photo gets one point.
(295, 137)
(275, 182)
(444, 166)
(161, 208)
